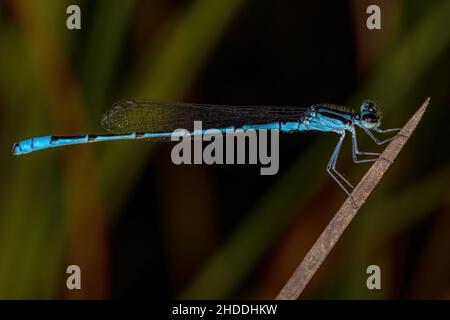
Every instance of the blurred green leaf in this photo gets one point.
(171, 73)
(24, 207)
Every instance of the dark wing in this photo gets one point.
(157, 116)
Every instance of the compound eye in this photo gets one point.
(370, 107)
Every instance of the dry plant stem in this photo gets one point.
(320, 250)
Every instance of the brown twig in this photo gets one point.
(320, 250)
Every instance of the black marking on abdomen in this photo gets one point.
(56, 138)
(94, 137)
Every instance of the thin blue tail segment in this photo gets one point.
(46, 142)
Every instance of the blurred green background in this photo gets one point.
(139, 226)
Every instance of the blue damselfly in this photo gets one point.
(157, 120)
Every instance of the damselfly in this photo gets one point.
(157, 120)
